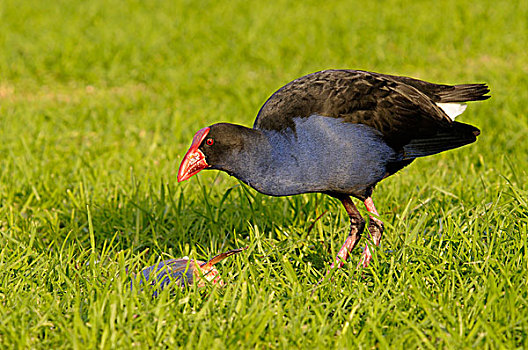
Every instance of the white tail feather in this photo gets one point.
(452, 109)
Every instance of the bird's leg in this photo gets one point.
(357, 224)
(375, 228)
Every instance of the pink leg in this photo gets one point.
(375, 228)
(357, 224)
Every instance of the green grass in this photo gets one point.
(99, 100)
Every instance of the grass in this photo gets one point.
(99, 101)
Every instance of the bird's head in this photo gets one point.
(214, 147)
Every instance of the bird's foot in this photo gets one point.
(366, 256)
(357, 224)
(336, 265)
(325, 278)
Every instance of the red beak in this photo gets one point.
(194, 159)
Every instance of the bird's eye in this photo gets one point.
(209, 142)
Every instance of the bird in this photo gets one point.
(338, 132)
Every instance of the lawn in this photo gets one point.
(99, 101)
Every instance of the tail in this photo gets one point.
(461, 93)
(447, 93)
(448, 97)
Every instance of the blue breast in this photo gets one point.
(323, 155)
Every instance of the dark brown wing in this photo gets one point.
(396, 108)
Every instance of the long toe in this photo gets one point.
(366, 257)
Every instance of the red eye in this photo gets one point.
(209, 142)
